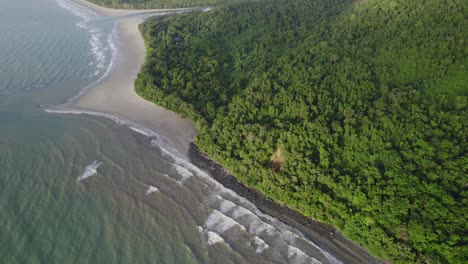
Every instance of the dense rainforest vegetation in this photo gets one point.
(142, 4)
(352, 112)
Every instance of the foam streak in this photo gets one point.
(90, 170)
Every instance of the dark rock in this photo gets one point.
(323, 235)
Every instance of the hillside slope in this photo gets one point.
(354, 113)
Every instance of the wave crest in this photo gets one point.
(89, 171)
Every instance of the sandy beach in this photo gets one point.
(115, 94)
(103, 11)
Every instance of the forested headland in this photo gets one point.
(147, 4)
(354, 113)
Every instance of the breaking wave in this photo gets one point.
(102, 45)
(89, 171)
(151, 189)
(78, 10)
(213, 238)
(260, 244)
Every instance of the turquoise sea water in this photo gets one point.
(82, 189)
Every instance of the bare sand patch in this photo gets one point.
(115, 94)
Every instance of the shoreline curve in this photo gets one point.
(104, 11)
(115, 96)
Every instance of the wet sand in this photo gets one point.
(115, 94)
(103, 11)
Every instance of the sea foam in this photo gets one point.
(213, 238)
(296, 255)
(220, 222)
(89, 171)
(76, 9)
(151, 189)
(101, 66)
(182, 172)
(260, 244)
(97, 50)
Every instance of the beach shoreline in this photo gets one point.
(104, 11)
(114, 97)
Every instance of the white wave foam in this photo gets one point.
(81, 25)
(67, 111)
(220, 222)
(139, 131)
(213, 238)
(157, 140)
(90, 170)
(259, 228)
(260, 244)
(240, 212)
(226, 205)
(253, 223)
(98, 51)
(183, 172)
(298, 256)
(97, 45)
(331, 258)
(151, 189)
(168, 150)
(77, 10)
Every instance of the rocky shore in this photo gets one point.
(324, 235)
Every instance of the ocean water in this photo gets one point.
(86, 189)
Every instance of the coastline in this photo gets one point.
(104, 11)
(115, 96)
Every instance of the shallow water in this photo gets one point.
(84, 189)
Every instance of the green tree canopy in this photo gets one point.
(367, 101)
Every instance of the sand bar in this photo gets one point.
(115, 94)
(103, 11)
